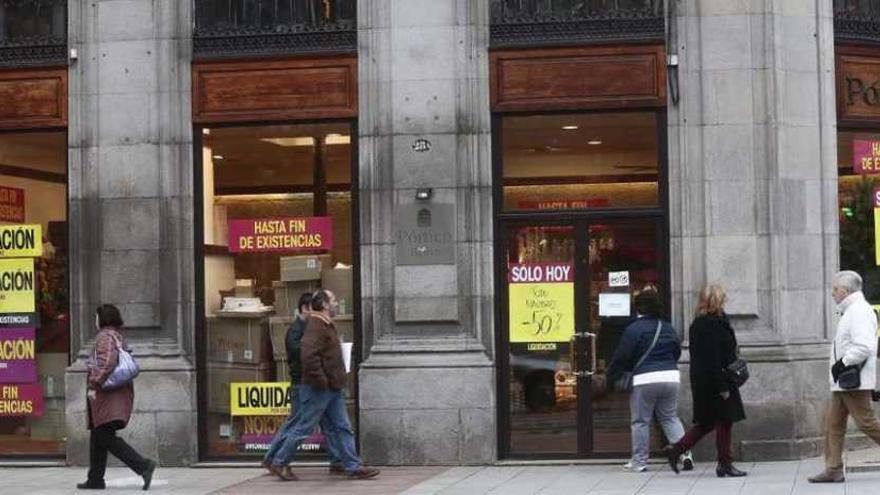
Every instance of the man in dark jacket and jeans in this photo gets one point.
(292, 344)
(321, 391)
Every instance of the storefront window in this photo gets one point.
(858, 158)
(33, 191)
(580, 161)
(277, 223)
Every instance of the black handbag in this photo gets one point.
(737, 372)
(624, 382)
(851, 376)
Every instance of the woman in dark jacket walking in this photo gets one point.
(717, 403)
(649, 348)
(110, 410)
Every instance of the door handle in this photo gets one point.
(592, 370)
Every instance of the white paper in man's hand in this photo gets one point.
(346, 355)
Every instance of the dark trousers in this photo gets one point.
(722, 438)
(104, 440)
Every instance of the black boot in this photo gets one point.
(726, 469)
(148, 474)
(91, 485)
(672, 453)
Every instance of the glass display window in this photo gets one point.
(33, 192)
(580, 161)
(277, 213)
(858, 158)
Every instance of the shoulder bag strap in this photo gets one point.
(651, 348)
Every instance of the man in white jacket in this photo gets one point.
(854, 345)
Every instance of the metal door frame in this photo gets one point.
(580, 221)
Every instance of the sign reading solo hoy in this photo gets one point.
(536, 273)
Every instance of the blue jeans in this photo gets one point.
(284, 431)
(318, 405)
(644, 402)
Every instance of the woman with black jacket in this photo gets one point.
(717, 403)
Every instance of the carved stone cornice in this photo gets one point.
(538, 23)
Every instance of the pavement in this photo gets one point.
(765, 478)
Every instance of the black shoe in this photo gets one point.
(672, 453)
(148, 474)
(727, 470)
(91, 485)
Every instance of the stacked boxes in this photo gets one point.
(220, 375)
(339, 281)
(278, 326)
(239, 350)
(299, 268)
(238, 339)
(287, 295)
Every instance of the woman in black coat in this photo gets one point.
(717, 403)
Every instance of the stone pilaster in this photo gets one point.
(427, 385)
(131, 209)
(753, 195)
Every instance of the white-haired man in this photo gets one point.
(854, 349)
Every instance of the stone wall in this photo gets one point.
(753, 195)
(427, 385)
(131, 210)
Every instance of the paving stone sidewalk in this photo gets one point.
(765, 478)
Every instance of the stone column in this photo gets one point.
(427, 385)
(131, 210)
(753, 179)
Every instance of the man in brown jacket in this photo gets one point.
(322, 391)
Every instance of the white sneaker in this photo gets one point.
(687, 461)
(633, 468)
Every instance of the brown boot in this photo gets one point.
(827, 477)
(283, 472)
(363, 473)
(337, 469)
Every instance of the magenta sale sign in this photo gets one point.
(25, 399)
(866, 157)
(17, 358)
(280, 235)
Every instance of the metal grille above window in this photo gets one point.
(857, 20)
(267, 27)
(560, 22)
(33, 32)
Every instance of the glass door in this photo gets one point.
(541, 377)
(623, 256)
(567, 298)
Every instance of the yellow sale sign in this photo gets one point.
(259, 399)
(540, 302)
(21, 241)
(877, 235)
(17, 285)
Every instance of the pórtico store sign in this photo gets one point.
(858, 87)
